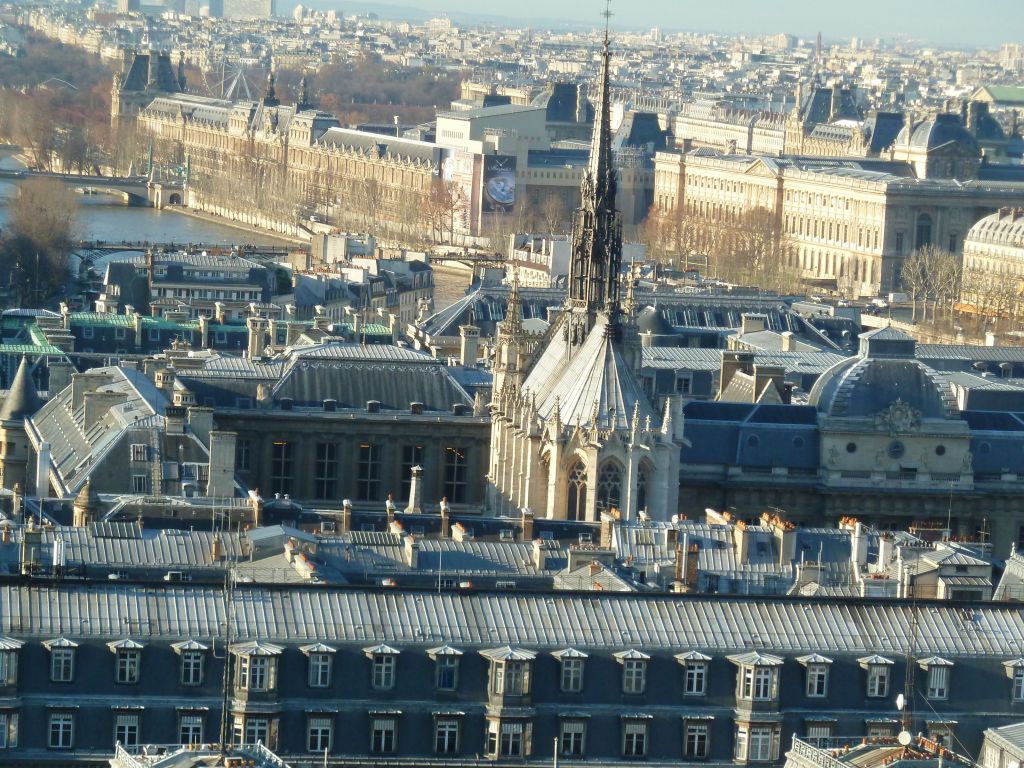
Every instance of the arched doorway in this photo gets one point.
(576, 499)
(175, 199)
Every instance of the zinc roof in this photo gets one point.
(489, 620)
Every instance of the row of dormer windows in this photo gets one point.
(511, 669)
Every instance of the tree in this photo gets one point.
(39, 238)
(931, 274)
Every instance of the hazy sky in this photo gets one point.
(965, 23)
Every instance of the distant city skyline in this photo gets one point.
(988, 24)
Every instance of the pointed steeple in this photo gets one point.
(596, 228)
(22, 399)
(181, 71)
(304, 102)
(270, 97)
(513, 322)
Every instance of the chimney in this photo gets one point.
(200, 421)
(540, 553)
(733, 362)
(991, 339)
(346, 516)
(752, 322)
(686, 146)
(221, 480)
(527, 524)
(415, 504)
(137, 321)
(412, 551)
(97, 404)
(787, 341)
(43, 471)
(768, 374)
(217, 552)
(218, 312)
(785, 537)
(446, 522)
(741, 541)
(204, 331)
(973, 114)
(834, 106)
(607, 525)
(389, 505)
(257, 332)
(859, 545)
(256, 501)
(470, 341)
(886, 549)
(174, 419)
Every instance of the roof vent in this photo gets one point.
(416, 409)
(330, 405)
(373, 406)
(286, 403)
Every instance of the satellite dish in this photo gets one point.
(900, 702)
(904, 738)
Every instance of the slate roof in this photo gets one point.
(75, 446)
(486, 620)
(595, 379)
(22, 399)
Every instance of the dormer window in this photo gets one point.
(938, 669)
(1015, 671)
(695, 672)
(321, 658)
(511, 670)
(817, 675)
(193, 661)
(634, 670)
(571, 674)
(877, 668)
(62, 659)
(9, 648)
(446, 667)
(257, 667)
(758, 677)
(383, 663)
(128, 663)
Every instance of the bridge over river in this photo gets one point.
(135, 190)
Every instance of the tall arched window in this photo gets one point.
(924, 231)
(642, 475)
(609, 485)
(576, 507)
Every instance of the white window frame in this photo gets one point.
(819, 730)
(65, 721)
(938, 682)
(256, 673)
(383, 671)
(128, 666)
(634, 676)
(193, 664)
(443, 665)
(572, 737)
(696, 733)
(759, 683)
(1017, 691)
(126, 729)
(320, 668)
(8, 730)
(383, 734)
(760, 740)
(878, 681)
(817, 681)
(319, 733)
(62, 665)
(190, 728)
(447, 731)
(571, 677)
(695, 678)
(635, 735)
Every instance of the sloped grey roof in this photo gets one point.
(395, 384)
(22, 399)
(596, 378)
(486, 620)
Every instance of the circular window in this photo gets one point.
(753, 441)
(798, 442)
(851, 447)
(896, 449)
(940, 450)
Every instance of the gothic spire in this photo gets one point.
(597, 230)
(304, 102)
